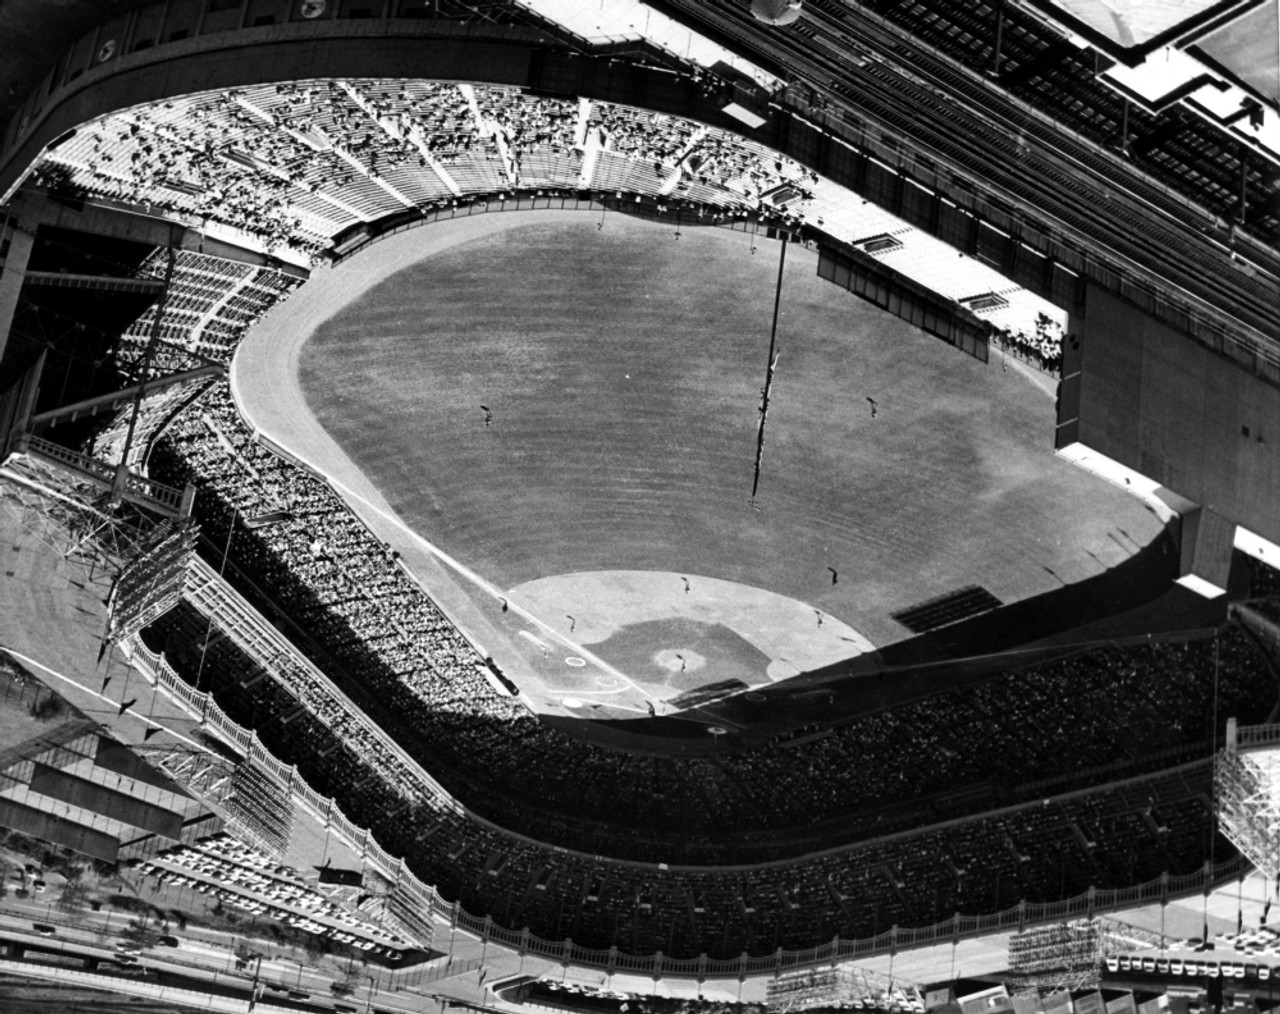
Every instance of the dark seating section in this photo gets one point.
(1117, 835)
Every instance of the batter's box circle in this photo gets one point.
(575, 661)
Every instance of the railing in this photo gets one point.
(162, 498)
(647, 207)
(159, 497)
(1258, 735)
(249, 630)
(84, 465)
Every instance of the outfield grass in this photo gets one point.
(623, 369)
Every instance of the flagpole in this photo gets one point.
(770, 364)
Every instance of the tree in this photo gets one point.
(344, 987)
(246, 955)
(142, 933)
(74, 897)
(46, 709)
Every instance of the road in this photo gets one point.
(203, 955)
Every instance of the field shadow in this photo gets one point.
(1136, 600)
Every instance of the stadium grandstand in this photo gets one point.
(183, 172)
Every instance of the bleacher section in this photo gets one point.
(210, 305)
(290, 167)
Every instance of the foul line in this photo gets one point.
(472, 576)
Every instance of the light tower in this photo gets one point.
(1247, 783)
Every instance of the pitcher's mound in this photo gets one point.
(678, 636)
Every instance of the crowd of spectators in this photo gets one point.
(1042, 344)
(209, 306)
(294, 165)
(185, 156)
(1042, 850)
(653, 138)
(540, 135)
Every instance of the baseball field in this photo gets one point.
(562, 420)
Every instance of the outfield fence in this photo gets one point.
(677, 213)
(846, 266)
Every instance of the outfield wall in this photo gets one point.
(878, 284)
